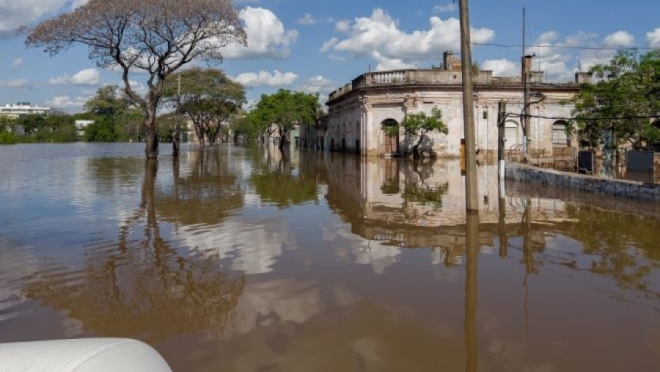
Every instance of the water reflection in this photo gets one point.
(244, 259)
(277, 181)
(142, 284)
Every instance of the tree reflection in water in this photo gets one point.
(276, 181)
(143, 288)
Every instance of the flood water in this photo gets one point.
(241, 259)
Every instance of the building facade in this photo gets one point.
(358, 111)
(22, 108)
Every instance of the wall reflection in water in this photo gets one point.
(249, 259)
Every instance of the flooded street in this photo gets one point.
(239, 259)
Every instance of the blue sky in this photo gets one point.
(319, 45)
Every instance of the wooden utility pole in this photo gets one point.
(524, 76)
(471, 199)
(471, 291)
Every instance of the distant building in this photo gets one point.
(22, 108)
(81, 125)
(358, 111)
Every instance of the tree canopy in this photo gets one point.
(208, 97)
(624, 102)
(417, 125)
(283, 110)
(115, 116)
(156, 37)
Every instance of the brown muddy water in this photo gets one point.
(239, 259)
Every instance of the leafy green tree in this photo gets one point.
(243, 127)
(101, 130)
(417, 125)
(155, 37)
(283, 110)
(114, 108)
(6, 136)
(622, 102)
(31, 123)
(208, 97)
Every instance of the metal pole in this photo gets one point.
(471, 200)
(501, 118)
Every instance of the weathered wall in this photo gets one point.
(359, 118)
(553, 178)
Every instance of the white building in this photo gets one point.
(358, 111)
(22, 108)
(81, 125)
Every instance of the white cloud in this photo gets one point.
(318, 84)
(66, 102)
(379, 37)
(89, 77)
(265, 78)
(138, 87)
(619, 39)
(451, 7)
(18, 62)
(15, 83)
(266, 36)
(16, 13)
(388, 63)
(307, 20)
(653, 38)
(501, 67)
(343, 26)
(560, 58)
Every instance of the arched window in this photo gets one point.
(390, 123)
(559, 136)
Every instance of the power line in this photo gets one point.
(511, 114)
(565, 47)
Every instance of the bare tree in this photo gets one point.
(152, 36)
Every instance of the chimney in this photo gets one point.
(527, 63)
(447, 59)
(582, 77)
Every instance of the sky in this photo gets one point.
(317, 46)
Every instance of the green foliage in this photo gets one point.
(101, 130)
(116, 118)
(208, 97)
(108, 102)
(56, 127)
(420, 193)
(276, 183)
(417, 125)
(284, 110)
(7, 138)
(244, 127)
(621, 102)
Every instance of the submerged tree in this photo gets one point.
(283, 110)
(208, 97)
(156, 37)
(622, 102)
(417, 125)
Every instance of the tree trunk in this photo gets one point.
(283, 138)
(151, 139)
(176, 141)
(416, 147)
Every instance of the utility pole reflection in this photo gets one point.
(471, 287)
